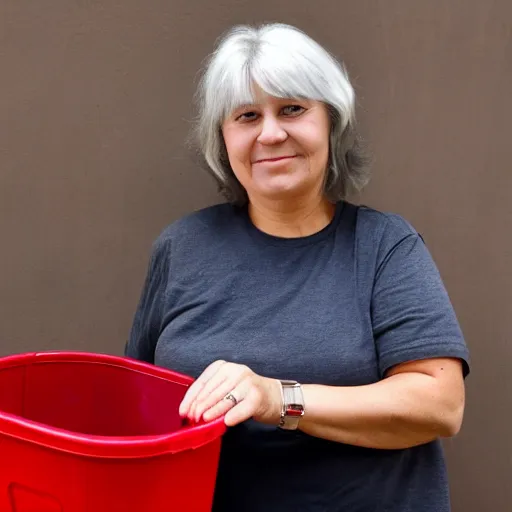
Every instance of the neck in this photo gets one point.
(291, 219)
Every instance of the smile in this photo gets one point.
(276, 159)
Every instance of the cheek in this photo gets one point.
(238, 147)
(322, 145)
(317, 146)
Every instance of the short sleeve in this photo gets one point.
(412, 315)
(147, 322)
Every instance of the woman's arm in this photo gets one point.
(417, 402)
(147, 321)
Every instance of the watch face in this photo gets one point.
(293, 405)
(295, 410)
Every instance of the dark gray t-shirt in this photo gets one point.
(339, 307)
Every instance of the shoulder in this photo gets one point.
(388, 224)
(209, 221)
(383, 228)
(379, 233)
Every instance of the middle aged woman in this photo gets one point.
(320, 329)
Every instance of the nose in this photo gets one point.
(271, 131)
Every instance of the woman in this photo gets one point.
(321, 330)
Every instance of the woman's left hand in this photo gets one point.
(234, 390)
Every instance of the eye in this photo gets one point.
(247, 116)
(292, 110)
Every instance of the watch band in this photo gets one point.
(293, 404)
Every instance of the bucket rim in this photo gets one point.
(190, 437)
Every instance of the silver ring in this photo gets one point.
(231, 397)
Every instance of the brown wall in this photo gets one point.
(94, 108)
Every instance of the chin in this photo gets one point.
(282, 193)
(283, 186)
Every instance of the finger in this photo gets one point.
(224, 376)
(216, 396)
(198, 384)
(219, 409)
(224, 404)
(224, 381)
(245, 409)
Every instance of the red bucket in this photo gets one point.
(95, 433)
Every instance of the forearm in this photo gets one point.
(400, 411)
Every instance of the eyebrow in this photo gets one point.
(244, 106)
(280, 100)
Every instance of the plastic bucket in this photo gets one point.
(84, 432)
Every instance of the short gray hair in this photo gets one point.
(285, 63)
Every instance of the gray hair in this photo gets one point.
(285, 63)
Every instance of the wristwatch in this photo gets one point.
(293, 404)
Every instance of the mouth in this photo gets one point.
(276, 159)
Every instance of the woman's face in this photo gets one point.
(278, 148)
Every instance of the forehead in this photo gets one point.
(260, 97)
